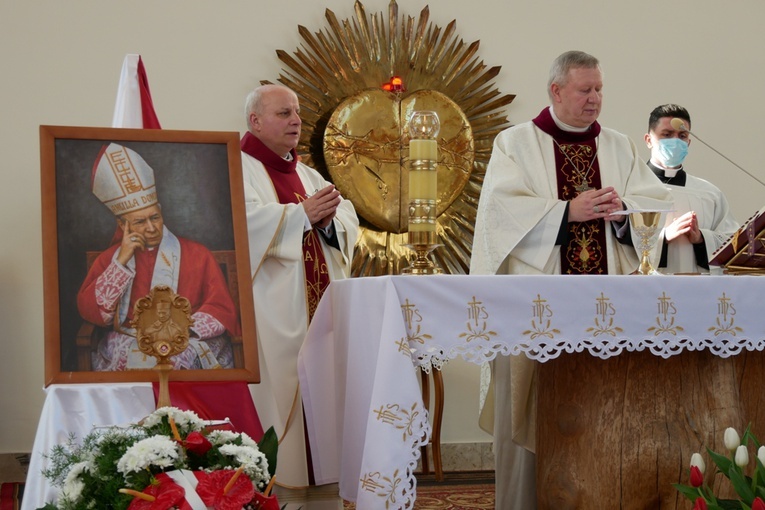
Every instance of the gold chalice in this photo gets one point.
(645, 224)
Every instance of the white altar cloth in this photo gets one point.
(357, 368)
(77, 409)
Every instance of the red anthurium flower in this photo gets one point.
(166, 493)
(211, 488)
(197, 443)
(700, 504)
(262, 502)
(697, 479)
(758, 504)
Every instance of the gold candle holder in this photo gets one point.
(423, 191)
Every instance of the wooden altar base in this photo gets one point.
(617, 433)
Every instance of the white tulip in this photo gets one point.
(698, 461)
(761, 454)
(731, 439)
(742, 456)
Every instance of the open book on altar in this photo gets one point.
(744, 252)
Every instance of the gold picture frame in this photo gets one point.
(199, 181)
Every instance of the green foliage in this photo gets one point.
(90, 475)
(269, 445)
(102, 449)
(747, 487)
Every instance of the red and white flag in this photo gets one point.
(211, 400)
(134, 107)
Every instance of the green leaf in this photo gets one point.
(726, 504)
(269, 445)
(722, 462)
(741, 484)
(687, 491)
(750, 437)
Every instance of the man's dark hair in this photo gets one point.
(668, 110)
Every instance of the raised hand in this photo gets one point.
(131, 241)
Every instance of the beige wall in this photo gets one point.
(60, 61)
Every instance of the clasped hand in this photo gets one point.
(594, 204)
(685, 225)
(321, 207)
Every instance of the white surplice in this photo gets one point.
(715, 218)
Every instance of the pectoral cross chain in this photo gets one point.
(584, 184)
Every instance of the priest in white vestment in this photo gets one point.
(549, 205)
(701, 219)
(301, 237)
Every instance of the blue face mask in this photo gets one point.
(672, 151)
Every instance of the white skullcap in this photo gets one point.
(122, 180)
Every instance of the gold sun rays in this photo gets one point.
(352, 56)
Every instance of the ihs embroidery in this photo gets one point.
(724, 321)
(383, 486)
(604, 317)
(541, 321)
(477, 324)
(413, 318)
(665, 320)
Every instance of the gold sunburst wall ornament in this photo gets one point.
(358, 82)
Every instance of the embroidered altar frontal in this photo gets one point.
(369, 332)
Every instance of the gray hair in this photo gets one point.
(254, 101)
(566, 62)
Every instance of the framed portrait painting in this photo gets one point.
(125, 211)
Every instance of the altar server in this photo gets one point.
(701, 219)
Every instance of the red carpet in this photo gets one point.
(10, 496)
(450, 497)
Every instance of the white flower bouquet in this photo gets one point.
(171, 460)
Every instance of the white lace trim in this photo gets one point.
(603, 348)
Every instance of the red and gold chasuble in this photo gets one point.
(290, 190)
(577, 170)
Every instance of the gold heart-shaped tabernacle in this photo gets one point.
(366, 150)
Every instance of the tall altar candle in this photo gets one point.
(423, 185)
(423, 191)
(423, 177)
(423, 149)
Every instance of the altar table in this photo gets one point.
(358, 365)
